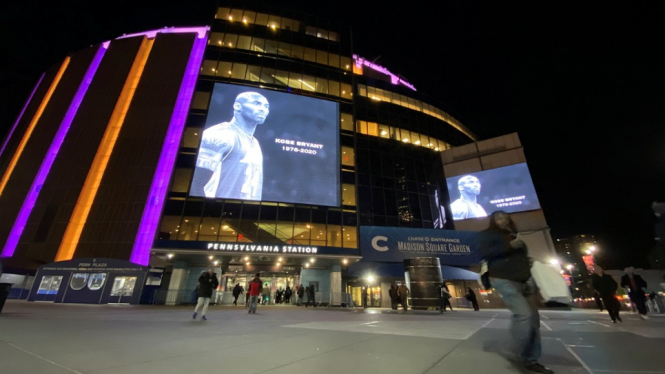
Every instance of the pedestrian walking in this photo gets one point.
(635, 285)
(444, 297)
(254, 291)
(448, 296)
(311, 296)
(301, 294)
(471, 296)
(287, 294)
(606, 287)
(510, 274)
(247, 298)
(403, 293)
(207, 283)
(237, 291)
(392, 292)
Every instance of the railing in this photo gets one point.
(181, 297)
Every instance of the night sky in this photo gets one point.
(584, 86)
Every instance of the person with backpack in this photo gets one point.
(207, 283)
(255, 288)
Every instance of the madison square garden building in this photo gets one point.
(261, 143)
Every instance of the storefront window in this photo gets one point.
(181, 179)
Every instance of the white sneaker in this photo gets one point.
(644, 317)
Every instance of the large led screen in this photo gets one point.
(479, 194)
(266, 145)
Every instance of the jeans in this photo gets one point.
(202, 301)
(252, 303)
(525, 324)
(404, 301)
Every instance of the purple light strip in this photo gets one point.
(153, 207)
(151, 34)
(53, 150)
(394, 79)
(20, 115)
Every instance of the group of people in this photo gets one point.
(399, 296)
(606, 288)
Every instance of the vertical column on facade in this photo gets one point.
(94, 177)
(20, 116)
(35, 188)
(157, 193)
(31, 126)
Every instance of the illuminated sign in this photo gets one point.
(589, 262)
(265, 145)
(394, 79)
(478, 194)
(264, 248)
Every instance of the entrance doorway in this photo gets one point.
(272, 284)
(372, 295)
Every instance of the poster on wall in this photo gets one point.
(478, 194)
(265, 145)
(96, 281)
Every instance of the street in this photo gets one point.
(41, 338)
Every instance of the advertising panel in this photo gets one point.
(478, 194)
(394, 244)
(265, 145)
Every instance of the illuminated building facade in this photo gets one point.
(101, 160)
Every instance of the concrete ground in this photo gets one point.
(41, 338)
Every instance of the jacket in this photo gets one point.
(207, 284)
(605, 285)
(639, 282)
(237, 290)
(504, 261)
(403, 291)
(255, 287)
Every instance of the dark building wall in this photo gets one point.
(35, 150)
(28, 115)
(116, 212)
(52, 212)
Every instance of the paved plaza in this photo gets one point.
(40, 338)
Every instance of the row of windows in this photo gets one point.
(277, 77)
(406, 136)
(232, 221)
(275, 47)
(273, 22)
(378, 94)
(210, 229)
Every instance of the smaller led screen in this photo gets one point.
(479, 194)
(265, 145)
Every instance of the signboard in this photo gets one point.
(258, 248)
(589, 262)
(394, 244)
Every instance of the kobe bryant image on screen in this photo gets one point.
(230, 161)
(466, 206)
